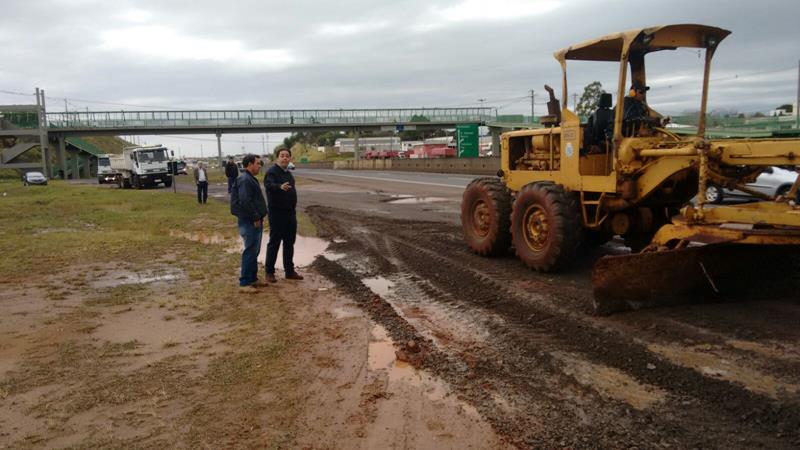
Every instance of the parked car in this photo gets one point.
(34, 178)
(773, 181)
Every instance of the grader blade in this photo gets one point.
(709, 273)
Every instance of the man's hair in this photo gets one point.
(283, 149)
(230, 158)
(249, 159)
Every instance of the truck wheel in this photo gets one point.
(126, 183)
(485, 216)
(546, 226)
(137, 183)
(168, 183)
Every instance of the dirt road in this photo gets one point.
(524, 349)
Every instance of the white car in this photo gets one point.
(773, 181)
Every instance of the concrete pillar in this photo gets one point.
(74, 172)
(495, 141)
(355, 144)
(61, 155)
(219, 149)
(86, 160)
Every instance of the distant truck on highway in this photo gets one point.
(105, 174)
(138, 167)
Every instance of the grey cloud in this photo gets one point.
(57, 45)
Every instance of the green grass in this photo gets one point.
(45, 227)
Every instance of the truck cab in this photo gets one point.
(138, 167)
(105, 174)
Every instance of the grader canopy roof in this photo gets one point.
(666, 37)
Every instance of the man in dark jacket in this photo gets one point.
(282, 199)
(232, 172)
(248, 205)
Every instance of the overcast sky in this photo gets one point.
(200, 54)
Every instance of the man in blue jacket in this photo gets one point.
(248, 205)
(282, 199)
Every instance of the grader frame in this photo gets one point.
(563, 191)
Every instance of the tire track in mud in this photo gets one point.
(699, 410)
(601, 347)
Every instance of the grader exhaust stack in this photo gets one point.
(574, 184)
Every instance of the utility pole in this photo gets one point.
(533, 108)
(43, 141)
(797, 105)
(574, 101)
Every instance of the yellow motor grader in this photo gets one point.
(569, 185)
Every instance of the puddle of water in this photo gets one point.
(378, 285)
(121, 278)
(331, 256)
(380, 353)
(703, 359)
(610, 382)
(345, 312)
(417, 200)
(201, 237)
(381, 356)
(306, 250)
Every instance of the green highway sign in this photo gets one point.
(467, 139)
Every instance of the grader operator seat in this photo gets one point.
(602, 120)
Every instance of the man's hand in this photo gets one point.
(286, 186)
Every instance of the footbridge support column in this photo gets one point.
(219, 149)
(62, 156)
(355, 144)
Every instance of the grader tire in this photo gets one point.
(485, 216)
(546, 226)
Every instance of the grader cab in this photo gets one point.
(569, 185)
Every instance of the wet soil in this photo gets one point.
(525, 350)
(123, 355)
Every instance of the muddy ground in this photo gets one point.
(527, 352)
(398, 338)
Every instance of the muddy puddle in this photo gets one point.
(402, 376)
(378, 285)
(415, 200)
(306, 248)
(126, 277)
(712, 361)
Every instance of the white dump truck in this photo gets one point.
(105, 174)
(138, 167)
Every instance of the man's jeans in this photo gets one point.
(230, 184)
(282, 227)
(202, 191)
(251, 235)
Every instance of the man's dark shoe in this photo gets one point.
(294, 276)
(271, 278)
